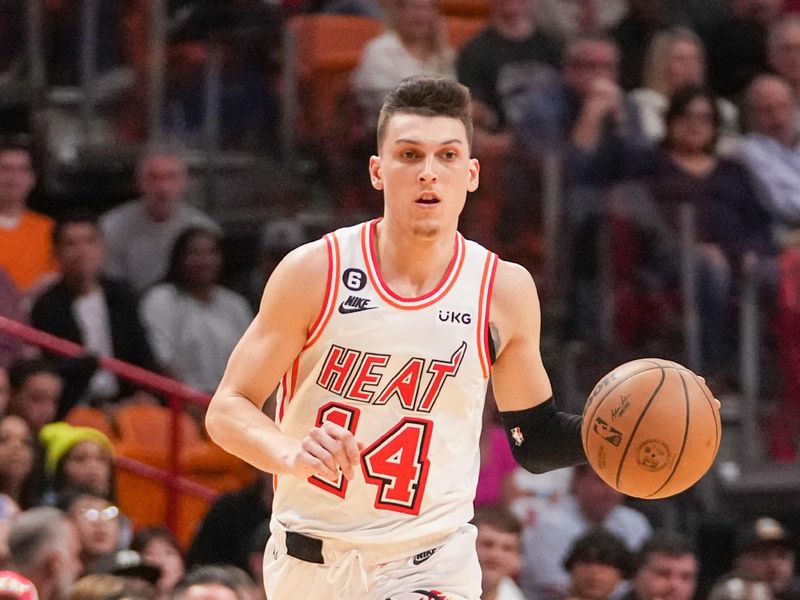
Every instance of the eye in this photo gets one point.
(449, 154)
(408, 154)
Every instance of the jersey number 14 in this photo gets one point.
(397, 462)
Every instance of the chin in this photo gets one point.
(428, 230)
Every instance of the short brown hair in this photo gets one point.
(497, 516)
(428, 97)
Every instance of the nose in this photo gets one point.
(428, 173)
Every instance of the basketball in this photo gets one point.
(651, 428)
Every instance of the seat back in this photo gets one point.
(325, 49)
(151, 426)
(86, 416)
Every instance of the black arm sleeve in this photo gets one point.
(543, 439)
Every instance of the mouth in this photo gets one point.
(428, 199)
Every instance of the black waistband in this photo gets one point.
(304, 548)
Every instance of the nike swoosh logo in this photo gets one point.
(346, 310)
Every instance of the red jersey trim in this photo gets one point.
(484, 306)
(383, 290)
(331, 290)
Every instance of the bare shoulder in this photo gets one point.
(515, 304)
(299, 281)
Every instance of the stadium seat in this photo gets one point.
(325, 50)
(86, 416)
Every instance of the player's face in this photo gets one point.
(667, 577)
(425, 171)
(498, 554)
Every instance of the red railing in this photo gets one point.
(177, 395)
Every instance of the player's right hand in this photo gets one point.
(324, 451)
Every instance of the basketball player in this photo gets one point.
(382, 337)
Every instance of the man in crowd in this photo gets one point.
(668, 568)
(140, 233)
(766, 552)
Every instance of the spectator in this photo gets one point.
(35, 392)
(676, 60)
(25, 246)
(158, 546)
(45, 548)
(97, 522)
(729, 219)
(783, 51)
(772, 152)
(78, 457)
(739, 587)
(97, 312)
(498, 546)
(667, 569)
(139, 575)
(17, 457)
(211, 582)
(736, 44)
(766, 551)
(771, 149)
(501, 64)
(574, 18)
(224, 536)
(645, 18)
(193, 322)
(413, 44)
(140, 233)
(105, 587)
(592, 504)
(597, 563)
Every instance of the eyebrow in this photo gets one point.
(417, 142)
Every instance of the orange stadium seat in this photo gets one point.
(326, 50)
(86, 416)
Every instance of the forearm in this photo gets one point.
(240, 428)
(543, 439)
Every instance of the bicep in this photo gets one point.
(519, 379)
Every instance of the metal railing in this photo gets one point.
(177, 395)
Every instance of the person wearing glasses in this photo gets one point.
(97, 522)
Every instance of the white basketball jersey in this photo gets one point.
(407, 376)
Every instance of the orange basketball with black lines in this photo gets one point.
(651, 428)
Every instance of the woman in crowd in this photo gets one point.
(192, 321)
(17, 455)
(78, 457)
(158, 546)
(675, 60)
(688, 170)
(414, 43)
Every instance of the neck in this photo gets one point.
(514, 28)
(11, 209)
(412, 266)
(490, 590)
(82, 285)
(200, 292)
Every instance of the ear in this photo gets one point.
(375, 172)
(474, 175)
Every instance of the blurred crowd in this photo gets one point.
(616, 138)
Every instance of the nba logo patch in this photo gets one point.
(516, 433)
